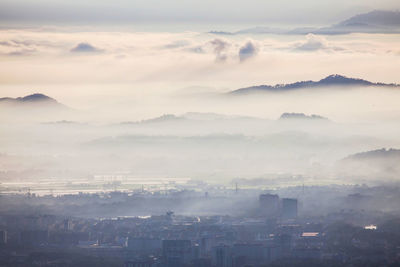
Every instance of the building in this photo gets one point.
(222, 256)
(249, 254)
(3, 237)
(176, 253)
(34, 237)
(67, 225)
(143, 246)
(289, 209)
(141, 263)
(204, 246)
(285, 244)
(269, 205)
(201, 263)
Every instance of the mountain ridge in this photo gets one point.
(375, 21)
(35, 103)
(329, 81)
(32, 98)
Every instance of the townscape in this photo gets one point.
(260, 229)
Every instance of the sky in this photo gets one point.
(102, 12)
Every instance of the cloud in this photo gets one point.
(247, 51)
(18, 48)
(6, 43)
(22, 52)
(17, 43)
(176, 44)
(219, 47)
(84, 48)
(197, 49)
(315, 43)
(312, 43)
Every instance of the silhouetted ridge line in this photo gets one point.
(331, 80)
(37, 97)
(35, 101)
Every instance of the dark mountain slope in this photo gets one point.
(331, 80)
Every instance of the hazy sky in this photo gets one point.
(178, 11)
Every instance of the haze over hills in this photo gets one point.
(376, 21)
(195, 144)
(191, 116)
(375, 154)
(380, 163)
(160, 119)
(195, 123)
(331, 80)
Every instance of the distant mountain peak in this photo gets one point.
(343, 80)
(331, 80)
(334, 77)
(36, 99)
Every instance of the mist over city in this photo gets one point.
(199, 133)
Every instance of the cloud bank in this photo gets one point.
(177, 60)
(315, 43)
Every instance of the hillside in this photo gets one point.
(329, 81)
(36, 98)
